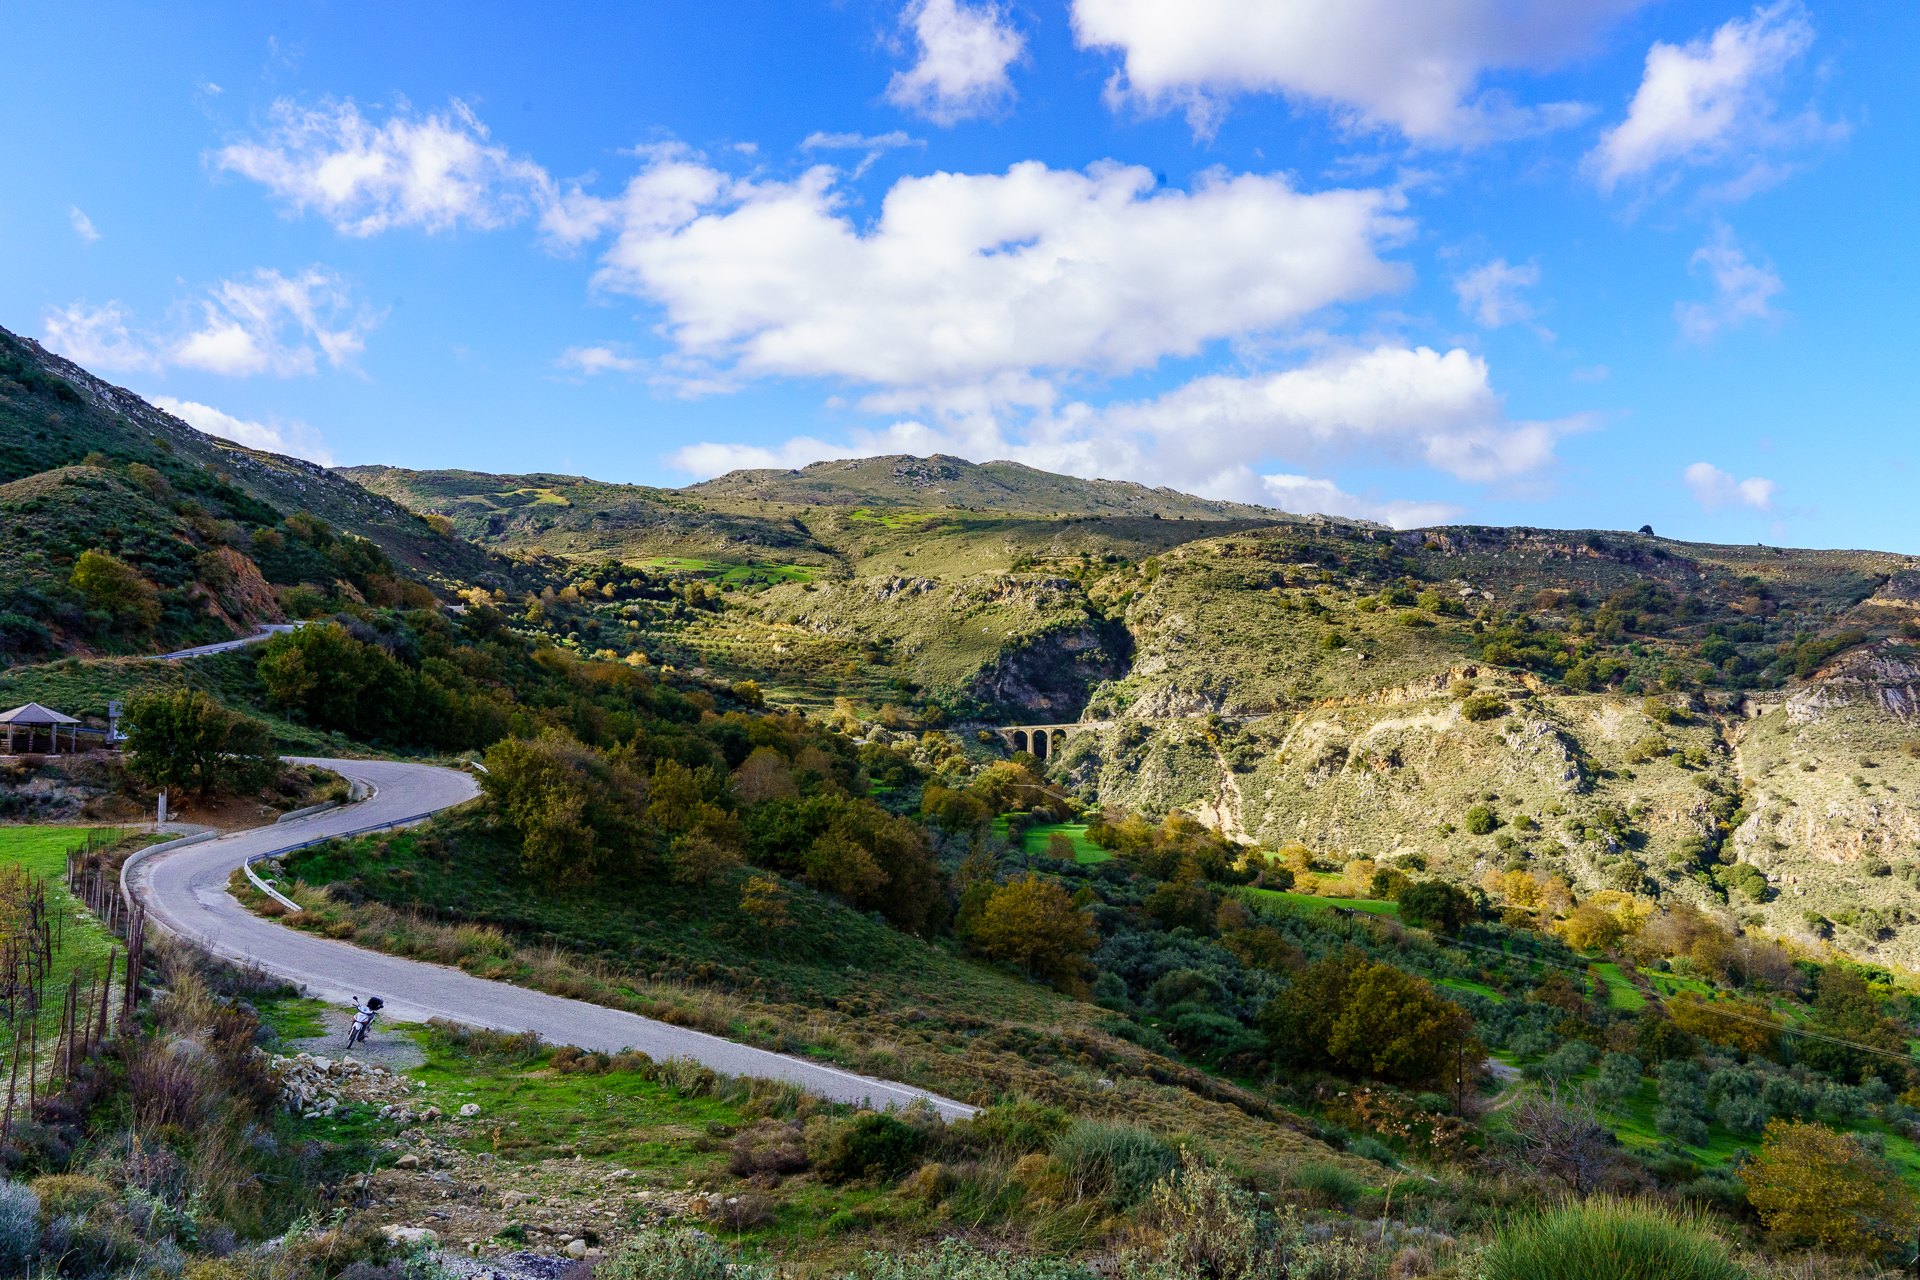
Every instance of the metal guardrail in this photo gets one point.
(289, 903)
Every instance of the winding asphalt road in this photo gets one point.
(267, 631)
(186, 893)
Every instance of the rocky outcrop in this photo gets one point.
(1053, 674)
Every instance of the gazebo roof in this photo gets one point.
(34, 713)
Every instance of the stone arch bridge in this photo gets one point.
(1045, 740)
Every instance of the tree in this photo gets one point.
(579, 815)
(334, 680)
(1436, 905)
(699, 860)
(1563, 1140)
(117, 590)
(1592, 928)
(1845, 1008)
(1480, 821)
(764, 901)
(186, 740)
(1749, 1027)
(1299, 1021)
(839, 864)
(1811, 1182)
(1394, 1025)
(763, 775)
(1033, 923)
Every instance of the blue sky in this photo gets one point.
(1580, 263)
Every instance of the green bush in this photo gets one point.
(1018, 1128)
(674, 1255)
(1608, 1239)
(956, 1261)
(874, 1146)
(1480, 821)
(1324, 1183)
(1483, 706)
(1113, 1162)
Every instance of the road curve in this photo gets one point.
(267, 631)
(185, 892)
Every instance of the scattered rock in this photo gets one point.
(408, 1161)
(470, 1109)
(412, 1235)
(577, 1249)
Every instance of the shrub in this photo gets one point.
(1483, 706)
(1811, 1182)
(1436, 905)
(873, 1146)
(1368, 1147)
(675, 1255)
(19, 1227)
(1608, 1239)
(1324, 1183)
(1019, 1128)
(1113, 1162)
(954, 1260)
(1480, 821)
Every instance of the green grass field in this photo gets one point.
(1307, 901)
(1621, 993)
(1085, 852)
(83, 942)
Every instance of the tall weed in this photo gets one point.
(1113, 1162)
(1604, 1238)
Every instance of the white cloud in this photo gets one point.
(295, 438)
(1405, 406)
(969, 282)
(1400, 406)
(1376, 63)
(1711, 100)
(267, 323)
(818, 141)
(98, 337)
(1490, 293)
(1714, 489)
(1743, 292)
(707, 460)
(82, 224)
(433, 172)
(875, 147)
(597, 360)
(1304, 495)
(271, 324)
(961, 73)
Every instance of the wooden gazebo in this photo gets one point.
(33, 717)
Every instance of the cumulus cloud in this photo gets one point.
(1713, 489)
(967, 283)
(98, 337)
(1405, 406)
(1743, 290)
(267, 323)
(1490, 292)
(1411, 407)
(961, 73)
(433, 172)
(82, 224)
(1376, 64)
(597, 360)
(1711, 100)
(295, 438)
(1304, 495)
